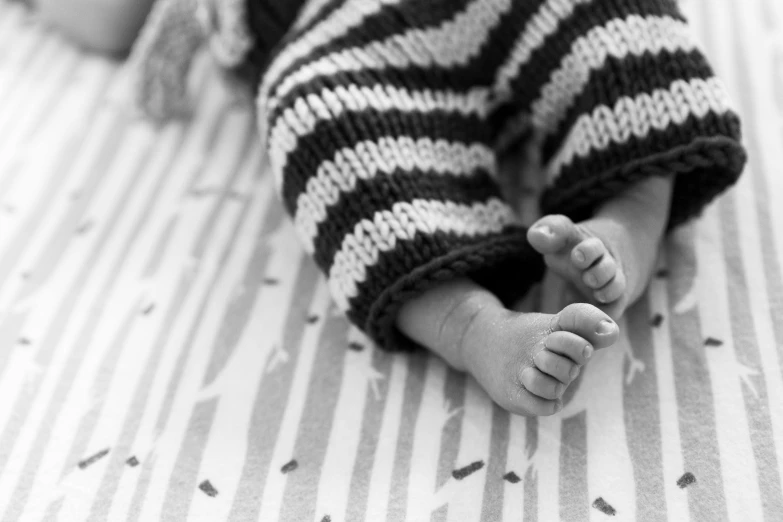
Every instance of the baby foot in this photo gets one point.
(526, 361)
(610, 258)
(608, 262)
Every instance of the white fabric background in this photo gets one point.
(168, 353)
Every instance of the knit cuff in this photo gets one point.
(386, 218)
(632, 96)
(504, 263)
(687, 131)
(391, 191)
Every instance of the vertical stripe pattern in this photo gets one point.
(168, 351)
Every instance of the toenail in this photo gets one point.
(544, 230)
(574, 372)
(579, 256)
(558, 406)
(559, 389)
(587, 352)
(591, 280)
(605, 327)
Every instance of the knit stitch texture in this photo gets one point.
(382, 120)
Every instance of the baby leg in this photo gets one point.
(524, 361)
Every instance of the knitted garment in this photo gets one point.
(174, 32)
(382, 118)
(270, 20)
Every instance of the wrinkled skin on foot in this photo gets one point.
(524, 361)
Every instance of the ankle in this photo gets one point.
(451, 319)
(463, 330)
(644, 207)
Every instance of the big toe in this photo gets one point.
(553, 234)
(588, 322)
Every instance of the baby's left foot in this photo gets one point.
(610, 258)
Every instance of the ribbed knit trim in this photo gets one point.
(374, 242)
(628, 78)
(638, 126)
(500, 263)
(381, 122)
(703, 169)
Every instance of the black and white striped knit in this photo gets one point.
(381, 119)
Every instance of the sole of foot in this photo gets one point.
(526, 361)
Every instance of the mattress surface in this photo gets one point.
(167, 351)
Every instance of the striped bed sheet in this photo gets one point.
(167, 351)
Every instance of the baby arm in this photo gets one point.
(102, 25)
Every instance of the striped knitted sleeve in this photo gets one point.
(376, 120)
(618, 90)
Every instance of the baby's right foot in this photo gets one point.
(524, 361)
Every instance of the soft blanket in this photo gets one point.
(167, 352)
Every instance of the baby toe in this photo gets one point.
(588, 252)
(551, 234)
(588, 322)
(569, 345)
(557, 366)
(612, 291)
(526, 403)
(601, 274)
(541, 384)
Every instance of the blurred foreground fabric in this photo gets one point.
(168, 353)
